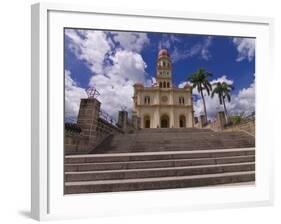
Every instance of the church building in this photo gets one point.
(163, 105)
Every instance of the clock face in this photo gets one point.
(164, 99)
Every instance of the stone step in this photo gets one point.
(156, 140)
(157, 183)
(160, 138)
(174, 147)
(190, 135)
(155, 163)
(146, 156)
(191, 132)
(178, 141)
(173, 130)
(157, 172)
(139, 148)
(148, 147)
(188, 147)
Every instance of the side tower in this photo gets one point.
(88, 118)
(164, 69)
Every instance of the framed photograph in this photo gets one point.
(148, 111)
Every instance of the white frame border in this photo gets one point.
(40, 104)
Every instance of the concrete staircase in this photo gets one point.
(162, 159)
(175, 139)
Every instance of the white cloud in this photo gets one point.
(115, 70)
(212, 106)
(128, 65)
(181, 54)
(200, 49)
(182, 84)
(116, 87)
(245, 48)
(73, 94)
(222, 79)
(154, 81)
(244, 102)
(168, 41)
(205, 53)
(131, 41)
(90, 46)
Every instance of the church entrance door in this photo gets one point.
(182, 121)
(164, 121)
(146, 122)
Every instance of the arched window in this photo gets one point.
(164, 63)
(160, 84)
(181, 100)
(164, 85)
(168, 85)
(147, 100)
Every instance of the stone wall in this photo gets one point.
(104, 129)
(127, 125)
(75, 143)
(247, 126)
(220, 120)
(93, 129)
(200, 122)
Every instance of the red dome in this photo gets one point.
(163, 52)
(138, 84)
(187, 86)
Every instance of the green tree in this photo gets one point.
(199, 80)
(223, 90)
(236, 119)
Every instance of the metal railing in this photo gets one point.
(105, 116)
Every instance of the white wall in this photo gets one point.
(15, 111)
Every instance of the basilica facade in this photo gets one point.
(163, 105)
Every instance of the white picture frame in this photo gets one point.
(48, 201)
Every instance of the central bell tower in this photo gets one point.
(164, 69)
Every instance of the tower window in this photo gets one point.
(147, 100)
(168, 85)
(181, 100)
(164, 64)
(164, 85)
(160, 84)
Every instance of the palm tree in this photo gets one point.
(200, 81)
(223, 90)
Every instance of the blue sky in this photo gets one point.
(113, 61)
